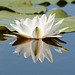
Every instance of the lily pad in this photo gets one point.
(59, 13)
(3, 30)
(42, 1)
(69, 21)
(31, 9)
(6, 15)
(15, 3)
(51, 1)
(21, 6)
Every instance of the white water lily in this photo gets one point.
(38, 27)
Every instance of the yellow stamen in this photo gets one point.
(37, 32)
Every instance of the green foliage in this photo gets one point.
(59, 13)
(18, 9)
(50, 1)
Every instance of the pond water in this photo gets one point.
(68, 8)
(63, 64)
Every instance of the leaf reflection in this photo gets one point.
(38, 49)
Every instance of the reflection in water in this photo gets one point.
(35, 48)
(38, 49)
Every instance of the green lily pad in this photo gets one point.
(21, 6)
(15, 3)
(51, 1)
(6, 15)
(59, 13)
(69, 21)
(3, 30)
(42, 1)
(31, 9)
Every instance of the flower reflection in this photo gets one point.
(38, 49)
(35, 48)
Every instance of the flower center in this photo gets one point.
(37, 32)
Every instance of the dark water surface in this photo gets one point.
(63, 64)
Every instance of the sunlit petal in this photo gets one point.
(43, 19)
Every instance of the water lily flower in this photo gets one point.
(38, 27)
(38, 30)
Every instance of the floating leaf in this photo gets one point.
(59, 13)
(51, 1)
(42, 1)
(15, 2)
(69, 21)
(31, 9)
(3, 30)
(12, 16)
(21, 6)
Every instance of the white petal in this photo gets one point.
(57, 25)
(51, 17)
(55, 36)
(36, 21)
(26, 30)
(10, 36)
(61, 30)
(28, 22)
(17, 28)
(17, 22)
(43, 19)
(53, 29)
(49, 25)
(22, 20)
